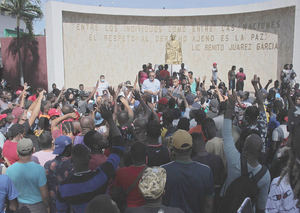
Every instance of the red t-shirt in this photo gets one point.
(124, 178)
(240, 76)
(164, 74)
(143, 76)
(96, 160)
(10, 151)
(197, 129)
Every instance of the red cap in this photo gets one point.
(18, 92)
(53, 112)
(214, 63)
(163, 101)
(2, 116)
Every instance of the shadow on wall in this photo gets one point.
(33, 57)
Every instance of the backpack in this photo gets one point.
(241, 188)
(119, 195)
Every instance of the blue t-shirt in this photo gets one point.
(187, 186)
(27, 178)
(7, 190)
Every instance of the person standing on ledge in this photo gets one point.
(231, 78)
(182, 71)
(103, 85)
(241, 77)
(214, 71)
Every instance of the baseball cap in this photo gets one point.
(163, 101)
(2, 116)
(60, 144)
(98, 118)
(18, 92)
(128, 84)
(214, 63)
(182, 140)
(53, 112)
(153, 182)
(24, 146)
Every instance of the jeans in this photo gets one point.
(232, 84)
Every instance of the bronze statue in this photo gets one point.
(173, 51)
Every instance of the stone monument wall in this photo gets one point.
(117, 46)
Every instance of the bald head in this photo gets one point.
(66, 109)
(77, 127)
(122, 117)
(253, 145)
(87, 124)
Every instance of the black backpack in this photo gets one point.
(241, 188)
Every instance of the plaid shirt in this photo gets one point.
(262, 127)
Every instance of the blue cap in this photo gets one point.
(60, 144)
(98, 118)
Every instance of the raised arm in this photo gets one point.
(56, 121)
(268, 84)
(231, 153)
(147, 110)
(23, 95)
(37, 108)
(93, 92)
(107, 115)
(258, 94)
(136, 83)
(59, 96)
(127, 107)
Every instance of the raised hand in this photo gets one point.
(112, 91)
(41, 94)
(136, 95)
(232, 98)
(73, 115)
(105, 112)
(26, 86)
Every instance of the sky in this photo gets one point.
(150, 4)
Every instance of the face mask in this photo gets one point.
(102, 80)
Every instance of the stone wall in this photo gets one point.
(117, 46)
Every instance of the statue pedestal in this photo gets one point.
(174, 68)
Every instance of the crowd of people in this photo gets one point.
(169, 142)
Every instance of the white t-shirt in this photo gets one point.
(280, 133)
(281, 198)
(102, 86)
(42, 157)
(214, 74)
(153, 86)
